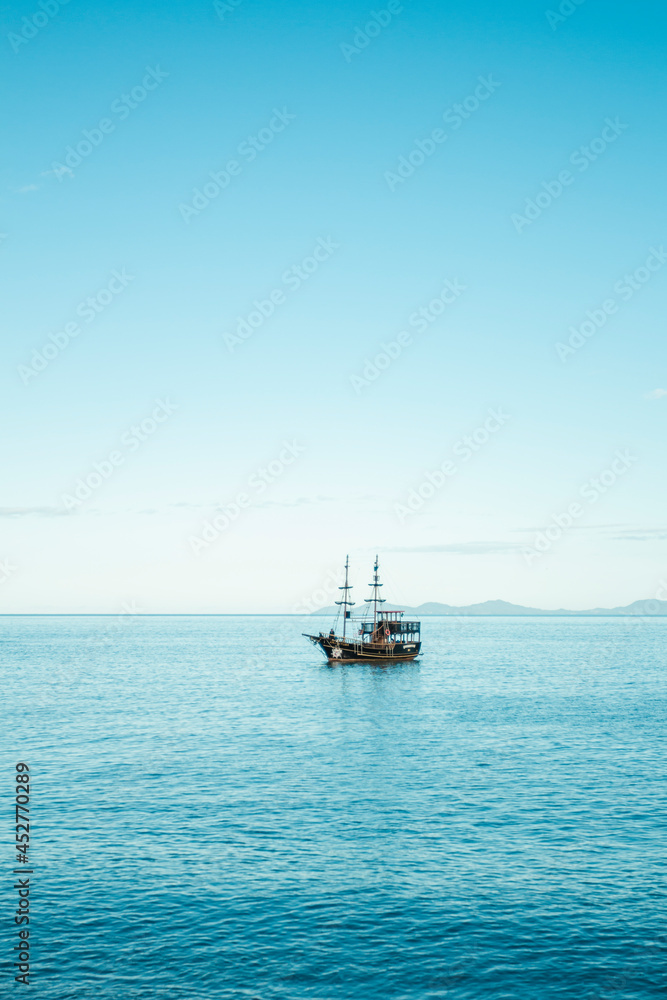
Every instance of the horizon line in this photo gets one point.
(290, 614)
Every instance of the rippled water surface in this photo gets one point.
(218, 814)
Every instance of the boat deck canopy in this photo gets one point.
(394, 627)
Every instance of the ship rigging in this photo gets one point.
(375, 636)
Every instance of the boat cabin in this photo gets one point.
(390, 627)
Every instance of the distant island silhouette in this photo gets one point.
(650, 607)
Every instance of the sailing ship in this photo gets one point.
(375, 636)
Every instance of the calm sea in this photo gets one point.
(216, 813)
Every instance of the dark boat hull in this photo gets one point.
(338, 650)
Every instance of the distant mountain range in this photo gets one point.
(432, 608)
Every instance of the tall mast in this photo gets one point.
(375, 598)
(345, 603)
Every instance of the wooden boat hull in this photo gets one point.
(338, 650)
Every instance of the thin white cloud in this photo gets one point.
(33, 511)
(467, 548)
(298, 502)
(656, 394)
(641, 535)
(61, 170)
(217, 506)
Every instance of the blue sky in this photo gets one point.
(170, 287)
